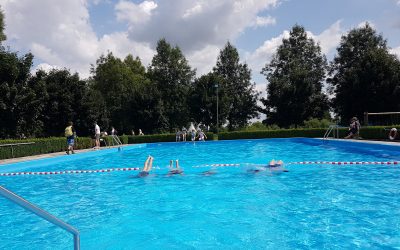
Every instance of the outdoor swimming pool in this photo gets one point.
(311, 206)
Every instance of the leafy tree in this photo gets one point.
(316, 123)
(364, 76)
(172, 75)
(95, 109)
(113, 79)
(257, 126)
(295, 76)
(242, 94)
(125, 93)
(2, 26)
(64, 101)
(203, 100)
(20, 98)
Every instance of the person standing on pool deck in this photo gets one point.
(202, 136)
(70, 135)
(140, 132)
(97, 135)
(184, 132)
(193, 135)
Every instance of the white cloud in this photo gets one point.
(135, 13)
(263, 21)
(396, 51)
(329, 39)
(194, 24)
(197, 9)
(204, 59)
(59, 34)
(263, 54)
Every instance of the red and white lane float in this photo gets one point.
(345, 163)
(220, 165)
(107, 170)
(307, 163)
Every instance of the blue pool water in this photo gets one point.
(311, 206)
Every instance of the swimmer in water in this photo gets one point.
(148, 164)
(273, 166)
(176, 170)
(256, 170)
(277, 166)
(209, 172)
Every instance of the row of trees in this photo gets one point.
(363, 76)
(125, 94)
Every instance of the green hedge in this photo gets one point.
(58, 144)
(377, 132)
(281, 133)
(372, 133)
(40, 146)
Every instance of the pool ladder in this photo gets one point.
(334, 129)
(115, 140)
(41, 213)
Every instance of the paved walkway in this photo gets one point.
(391, 143)
(51, 155)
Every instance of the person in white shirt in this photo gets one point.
(97, 135)
(113, 131)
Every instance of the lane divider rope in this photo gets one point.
(345, 162)
(307, 163)
(219, 165)
(107, 170)
(207, 165)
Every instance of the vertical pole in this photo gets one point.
(365, 118)
(217, 111)
(77, 242)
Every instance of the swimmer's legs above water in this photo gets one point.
(148, 165)
(176, 170)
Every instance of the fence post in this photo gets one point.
(366, 119)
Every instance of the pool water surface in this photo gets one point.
(311, 206)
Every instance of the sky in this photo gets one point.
(72, 34)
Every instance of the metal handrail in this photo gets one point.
(116, 139)
(41, 213)
(332, 128)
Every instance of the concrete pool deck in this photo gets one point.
(51, 155)
(389, 143)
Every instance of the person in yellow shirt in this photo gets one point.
(70, 135)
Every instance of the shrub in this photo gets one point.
(40, 146)
(315, 123)
(372, 133)
(257, 126)
(58, 144)
(281, 133)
